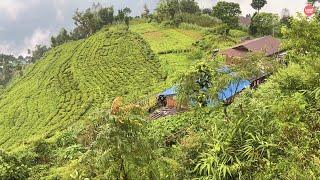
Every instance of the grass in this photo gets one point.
(164, 39)
(72, 80)
(174, 65)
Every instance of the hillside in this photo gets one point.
(72, 80)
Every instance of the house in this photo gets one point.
(267, 44)
(167, 98)
(166, 104)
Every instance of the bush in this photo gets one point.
(67, 139)
(43, 150)
(196, 54)
(11, 167)
(188, 26)
(200, 20)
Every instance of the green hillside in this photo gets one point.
(164, 39)
(72, 80)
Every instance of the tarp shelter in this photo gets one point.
(170, 92)
(233, 89)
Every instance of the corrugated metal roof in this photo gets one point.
(267, 44)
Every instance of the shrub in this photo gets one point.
(43, 150)
(200, 20)
(196, 54)
(11, 167)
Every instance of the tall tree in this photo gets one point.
(264, 24)
(258, 4)
(168, 8)
(285, 17)
(146, 11)
(106, 15)
(61, 38)
(39, 52)
(189, 6)
(86, 23)
(227, 12)
(207, 11)
(127, 11)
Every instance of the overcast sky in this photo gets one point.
(25, 23)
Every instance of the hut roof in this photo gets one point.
(267, 44)
(169, 92)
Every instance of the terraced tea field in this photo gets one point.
(71, 81)
(164, 39)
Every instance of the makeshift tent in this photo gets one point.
(233, 89)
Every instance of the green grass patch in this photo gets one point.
(164, 39)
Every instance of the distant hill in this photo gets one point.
(72, 80)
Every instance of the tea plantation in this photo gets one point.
(72, 80)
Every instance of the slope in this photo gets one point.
(60, 90)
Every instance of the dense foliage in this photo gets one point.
(90, 21)
(12, 168)
(81, 112)
(258, 4)
(265, 24)
(10, 67)
(227, 12)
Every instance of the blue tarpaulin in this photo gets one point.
(225, 94)
(233, 89)
(170, 92)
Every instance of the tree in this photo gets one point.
(120, 16)
(146, 11)
(264, 24)
(127, 11)
(285, 17)
(227, 12)
(189, 6)
(207, 11)
(301, 37)
(127, 21)
(168, 8)
(194, 86)
(61, 38)
(86, 23)
(106, 15)
(127, 151)
(39, 52)
(258, 4)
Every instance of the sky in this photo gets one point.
(26, 23)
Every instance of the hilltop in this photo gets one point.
(72, 80)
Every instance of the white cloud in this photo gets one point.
(206, 3)
(12, 8)
(6, 48)
(59, 5)
(39, 36)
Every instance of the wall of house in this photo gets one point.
(171, 102)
